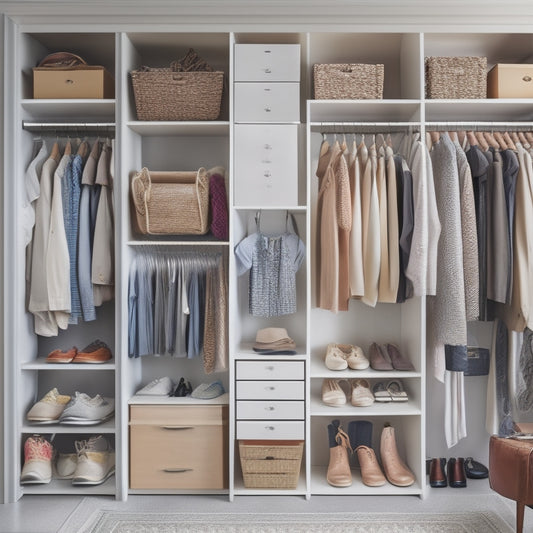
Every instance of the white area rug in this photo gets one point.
(127, 522)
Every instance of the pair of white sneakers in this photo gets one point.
(92, 464)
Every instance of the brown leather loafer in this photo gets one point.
(96, 352)
(58, 356)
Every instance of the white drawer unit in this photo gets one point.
(266, 165)
(267, 102)
(262, 410)
(270, 370)
(270, 430)
(270, 390)
(267, 62)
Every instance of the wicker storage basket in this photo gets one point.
(164, 94)
(271, 464)
(456, 77)
(348, 81)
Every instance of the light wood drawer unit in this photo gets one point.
(270, 370)
(271, 430)
(270, 390)
(178, 447)
(267, 62)
(266, 165)
(261, 410)
(267, 102)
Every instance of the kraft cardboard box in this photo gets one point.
(79, 82)
(510, 81)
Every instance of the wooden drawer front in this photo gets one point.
(267, 102)
(260, 410)
(193, 457)
(267, 62)
(266, 165)
(178, 414)
(270, 390)
(270, 370)
(278, 430)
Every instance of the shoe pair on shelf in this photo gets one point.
(359, 440)
(361, 395)
(91, 464)
(182, 389)
(343, 356)
(455, 472)
(95, 353)
(388, 357)
(80, 409)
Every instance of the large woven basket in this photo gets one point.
(164, 94)
(456, 77)
(348, 81)
(271, 464)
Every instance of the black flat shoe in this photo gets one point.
(475, 470)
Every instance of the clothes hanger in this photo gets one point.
(522, 138)
(500, 140)
(509, 141)
(461, 135)
(471, 138)
(489, 137)
(481, 140)
(453, 136)
(529, 137)
(434, 137)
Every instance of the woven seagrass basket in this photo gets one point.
(271, 464)
(456, 77)
(164, 94)
(348, 81)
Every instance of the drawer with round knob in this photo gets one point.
(270, 370)
(261, 410)
(271, 430)
(267, 62)
(269, 390)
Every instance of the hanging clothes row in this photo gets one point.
(178, 306)
(68, 228)
(377, 225)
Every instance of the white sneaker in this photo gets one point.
(84, 410)
(49, 408)
(157, 387)
(37, 461)
(96, 461)
(65, 465)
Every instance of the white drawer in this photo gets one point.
(266, 165)
(259, 410)
(270, 390)
(278, 430)
(267, 102)
(267, 62)
(270, 370)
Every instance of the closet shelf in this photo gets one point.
(363, 111)
(71, 109)
(319, 485)
(215, 128)
(171, 400)
(245, 351)
(291, 208)
(179, 243)
(320, 371)
(409, 408)
(495, 109)
(106, 427)
(41, 364)
(65, 486)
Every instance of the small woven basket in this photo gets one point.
(271, 464)
(164, 94)
(348, 81)
(456, 77)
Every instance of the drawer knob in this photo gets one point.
(270, 388)
(270, 428)
(267, 174)
(269, 367)
(268, 71)
(268, 147)
(268, 109)
(266, 161)
(177, 427)
(527, 78)
(176, 470)
(270, 408)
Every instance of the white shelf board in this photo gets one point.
(215, 128)
(319, 485)
(41, 364)
(106, 427)
(409, 408)
(68, 108)
(319, 370)
(293, 208)
(364, 111)
(493, 109)
(65, 486)
(178, 243)
(178, 491)
(172, 400)
(245, 351)
(240, 489)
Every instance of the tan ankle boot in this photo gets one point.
(339, 474)
(395, 469)
(371, 473)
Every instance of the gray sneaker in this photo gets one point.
(83, 410)
(96, 461)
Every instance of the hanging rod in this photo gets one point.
(479, 125)
(68, 126)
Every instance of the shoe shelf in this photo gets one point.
(44, 429)
(319, 370)
(319, 485)
(65, 486)
(171, 400)
(409, 408)
(41, 364)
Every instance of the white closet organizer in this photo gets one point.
(186, 146)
